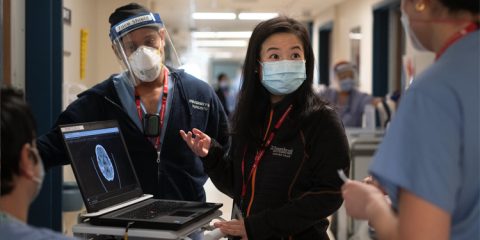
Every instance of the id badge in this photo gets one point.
(151, 125)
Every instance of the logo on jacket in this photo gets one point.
(199, 105)
(281, 151)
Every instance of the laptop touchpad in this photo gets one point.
(182, 213)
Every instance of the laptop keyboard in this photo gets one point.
(153, 210)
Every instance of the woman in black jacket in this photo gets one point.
(287, 144)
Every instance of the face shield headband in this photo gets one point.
(121, 29)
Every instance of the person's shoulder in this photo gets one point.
(322, 124)
(455, 70)
(433, 83)
(323, 114)
(44, 233)
(327, 93)
(194, 87)
(102, 88)
(17, 230)
(361, 94)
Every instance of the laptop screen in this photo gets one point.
(101, 164)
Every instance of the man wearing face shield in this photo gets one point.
(21, 169)
(349, 101)
(151, 103)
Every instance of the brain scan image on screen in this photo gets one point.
(104, 163)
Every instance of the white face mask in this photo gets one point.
(409, 32)
(146, 63)
(223, 85)
(41, 173)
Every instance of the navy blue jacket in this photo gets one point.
(180, 174)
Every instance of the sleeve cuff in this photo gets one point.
(214, 155)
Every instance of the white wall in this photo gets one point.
(18, 44)
(323, 18)
(348, 15)
(81, 18)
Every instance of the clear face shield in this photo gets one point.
(143, 47)
(345, 77)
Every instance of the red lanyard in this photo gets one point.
(162, 109)
(261, 152)
(457, 36)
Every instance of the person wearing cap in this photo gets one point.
(151, 103)
(349, 101)
(21, 169)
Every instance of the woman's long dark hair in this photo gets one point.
(472, 6)
(254, 99)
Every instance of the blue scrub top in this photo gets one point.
(352, 113)
(11, 228)
(432, 146)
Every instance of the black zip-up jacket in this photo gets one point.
(296, 185)
(180, 174)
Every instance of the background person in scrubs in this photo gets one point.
(347, 99)
(428, 162)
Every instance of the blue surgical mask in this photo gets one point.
(283, 77)
(347, 84)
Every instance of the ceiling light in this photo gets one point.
(214, 16)
(256, 16)
(355, 36)
(227, 55)
(221, 34)
(220, 43)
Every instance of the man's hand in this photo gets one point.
(200, 144)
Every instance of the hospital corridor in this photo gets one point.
(240, 119)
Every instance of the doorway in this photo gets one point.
(324, 52)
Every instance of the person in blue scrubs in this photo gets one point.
(21, 170)
(347, 99)
(428, 163)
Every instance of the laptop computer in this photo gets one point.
(109, 185)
